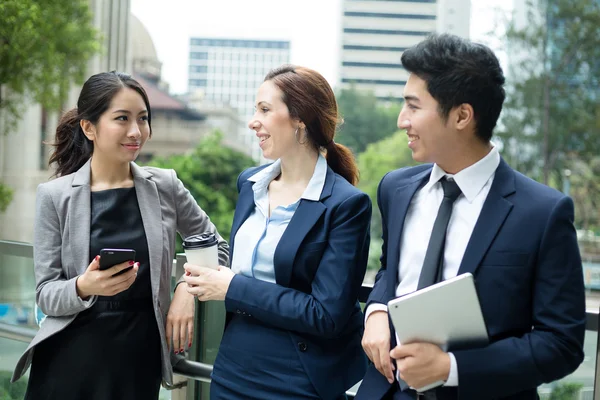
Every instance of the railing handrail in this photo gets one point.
(18, 249)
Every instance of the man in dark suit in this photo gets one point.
(468, 211)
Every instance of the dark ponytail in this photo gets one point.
(310, 99)
(72, 148)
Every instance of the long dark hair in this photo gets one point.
(310, 99)
(72, 148)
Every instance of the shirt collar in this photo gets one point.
(315, 185)
(471, 179)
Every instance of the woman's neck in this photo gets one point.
(298, 168)
(109, 175)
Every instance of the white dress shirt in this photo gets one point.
(259, 235)
(475, 183)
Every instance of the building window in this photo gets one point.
(374, 82)
(375, 48)
(198, 68)
(201, 55)
(385, 15)
(371, 65)
(197, 82)
(385, 32)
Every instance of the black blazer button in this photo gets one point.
(238, 311)
(302, 346)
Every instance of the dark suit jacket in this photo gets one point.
(524, 255)
(319, 264)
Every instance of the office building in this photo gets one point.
(376, 32)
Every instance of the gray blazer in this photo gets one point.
(62, 243)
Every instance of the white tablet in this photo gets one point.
(447, 314)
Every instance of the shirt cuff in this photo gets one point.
(374, 307)
(453, 375)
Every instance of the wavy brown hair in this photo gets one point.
(310, 99)
(72, 148)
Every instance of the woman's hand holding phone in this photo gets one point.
(106, 282)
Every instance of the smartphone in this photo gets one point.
(111, 257)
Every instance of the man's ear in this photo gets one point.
(89, 129)
(462, 116)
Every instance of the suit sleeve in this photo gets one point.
(192, 220)
(378, 294)
(554, 347)
(326, 310)
(55, 294)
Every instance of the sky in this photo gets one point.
(312, 26)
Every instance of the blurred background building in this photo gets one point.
(375, 33)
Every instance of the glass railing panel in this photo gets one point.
(17, 291)
(580, 384)
(10, 352)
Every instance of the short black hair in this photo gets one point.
(458, 71)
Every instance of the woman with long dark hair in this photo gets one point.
(109, 333)
(300, 242)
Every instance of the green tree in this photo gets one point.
(566, 391)
(365, 119)
(585, 191)
(210, 173)
(552, 112)
(44, 47)
(378, 159)
(6, 195)
(11, 391)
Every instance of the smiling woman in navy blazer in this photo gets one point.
(300, 241)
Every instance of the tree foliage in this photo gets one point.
(44, 47)
(552, 113)
(366, 120)
(210, 173)
(378, 159)
(11, 391)
(6, 195)
(566, 391)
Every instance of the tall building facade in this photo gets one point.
(230, 71)
(376, 32)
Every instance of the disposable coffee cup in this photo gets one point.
(202, 250)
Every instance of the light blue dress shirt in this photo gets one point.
(259, 235)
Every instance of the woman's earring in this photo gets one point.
(296, 135)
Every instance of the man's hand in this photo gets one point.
(421, 364)
(376, 343)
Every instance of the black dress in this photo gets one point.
(112, 350)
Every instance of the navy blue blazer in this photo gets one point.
(320, 263)
(524, 255)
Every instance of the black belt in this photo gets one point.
(104, 305)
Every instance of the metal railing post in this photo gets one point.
(596, 393)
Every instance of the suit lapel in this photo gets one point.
(306, 216)
(493, 214)
(398, 208)
(150, 210)
(79, 216)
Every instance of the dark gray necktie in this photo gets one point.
(432, 271)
